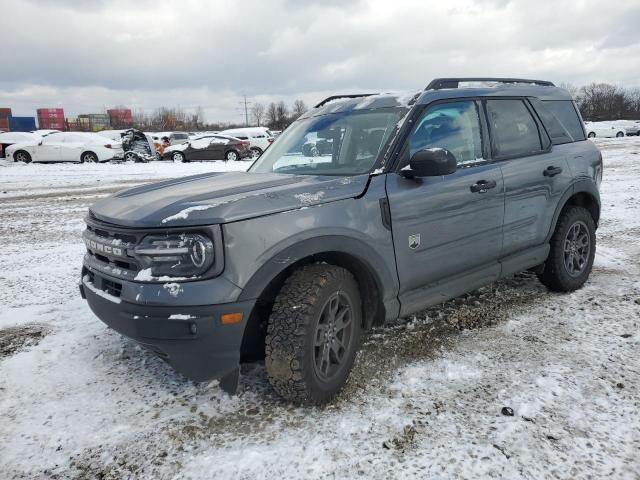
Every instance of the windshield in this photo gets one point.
(345, 143)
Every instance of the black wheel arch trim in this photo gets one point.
(585, 185)
(386, 282)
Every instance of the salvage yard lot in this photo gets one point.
(424, 399)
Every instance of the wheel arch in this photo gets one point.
(88, 151)
(368, 268)
(226, 152)
(583, 193)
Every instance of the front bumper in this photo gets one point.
(190, 338)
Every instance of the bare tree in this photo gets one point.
(282, 113)
(258, 113)
(272, 115)
(299, 107)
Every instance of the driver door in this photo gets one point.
(49, 150)
(447, 230)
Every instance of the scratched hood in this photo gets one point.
(214, 198)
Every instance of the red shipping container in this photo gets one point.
(51, 113)
(5, 113)
(4, 123)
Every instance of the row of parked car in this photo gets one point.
(134, 145)
(617, 128)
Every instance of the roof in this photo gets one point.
(368, 101)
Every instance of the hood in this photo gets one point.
(214, 198)
(17, 146)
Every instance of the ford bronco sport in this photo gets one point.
(411, 200)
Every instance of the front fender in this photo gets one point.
(288, 255)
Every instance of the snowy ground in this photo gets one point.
(79, 401)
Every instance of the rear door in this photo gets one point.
(535, 173)
(217, 147)
(73, 146)
(446, 226)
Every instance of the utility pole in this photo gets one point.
(245, 105)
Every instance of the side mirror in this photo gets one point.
(431, 162)
(40, 142)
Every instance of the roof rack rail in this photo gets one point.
(335, 97)
(440, 83)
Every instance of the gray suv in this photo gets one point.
(413, 199)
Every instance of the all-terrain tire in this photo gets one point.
(556, 275)
(293, 329)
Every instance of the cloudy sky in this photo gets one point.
(88, 55)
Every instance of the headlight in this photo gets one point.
(177, 256)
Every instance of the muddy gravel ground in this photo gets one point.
(510, 381)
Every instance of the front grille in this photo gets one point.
(110, 251)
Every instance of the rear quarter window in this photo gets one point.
(566, 113)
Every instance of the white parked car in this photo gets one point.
(604, 129)
(9, 138)
(66, 147)
(259, 138)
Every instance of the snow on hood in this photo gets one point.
(181, 147)
(215, 198)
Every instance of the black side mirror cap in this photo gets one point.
(431, 162)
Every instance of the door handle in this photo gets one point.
(552, 171)
(482, 186)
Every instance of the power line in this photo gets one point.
(246, 104)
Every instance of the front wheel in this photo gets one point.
(573, 248)
(231, 155)
(179, 157)
(592, 135)
(619, 134)
(22, 156)
(313, 333)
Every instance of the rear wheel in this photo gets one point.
(255, 152)
(231, 155)
(620, 134)
(179, 157)
(592, 135)
(130, 157)
(573, 247)
(313, 333)
(22, 156)
(89, 157)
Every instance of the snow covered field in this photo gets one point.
(425, 399)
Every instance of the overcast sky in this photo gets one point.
(88, 55)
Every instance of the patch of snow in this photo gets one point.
(180, 316)
(173, 288)
(309, 198)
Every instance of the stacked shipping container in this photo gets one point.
(51, 118)
(22, 124)
(94, 122)
(120, 117)
(5, 113)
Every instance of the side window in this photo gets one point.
(454, 126)
(54, 138)
(514, 130)
(556, 130)
(565, 112)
